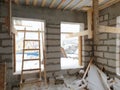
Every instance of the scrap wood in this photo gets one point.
(91, 60)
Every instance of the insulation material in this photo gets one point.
(116, 85)
(95, 79)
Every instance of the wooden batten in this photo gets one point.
(68, 4)
(43, 3)
(108, 29)
(16, 1)
(27, 2)
(77, 5)
(59, 6)
(35, 2)
(52, 3)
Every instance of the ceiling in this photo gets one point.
(58, 4)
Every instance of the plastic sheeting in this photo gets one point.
(97, 80)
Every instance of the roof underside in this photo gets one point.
(58, 4)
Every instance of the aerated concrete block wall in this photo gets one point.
(52, 18)
(106, 49)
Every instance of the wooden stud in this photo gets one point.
(77, 5)
(109, 29)
(68, 4)
(43, 3)
(27, 2)
(52, 3)
(35, 2)
(80, 50)
(59, 6)
(89, 20)
(107, 4)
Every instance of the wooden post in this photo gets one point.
(80, 50)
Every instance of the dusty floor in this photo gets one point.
(67, 85)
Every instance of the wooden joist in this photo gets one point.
(109, 29)
(77, 5)
(68, 4)
(16, 1)
(35, 2)
(52, 3)
(43, 3)
(59, 6)
(109, 3)
(27, 2)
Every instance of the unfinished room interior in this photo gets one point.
(59, 44)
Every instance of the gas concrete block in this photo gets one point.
(6, 50)
(101, 60)
(99, 54)
(110, 42)
(103, 36)
(102, 48)
(112, 48)
(112, 63)
(109, 55)
(6, 42)
(55, 67)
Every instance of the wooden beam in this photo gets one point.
(89, 20)
(59, 6)
(77, 5)
(107, 4)
(108, 29)
(85, 8)
(27, 2)
(68, 4)
(80, 50)
(35, 2)
(16, 1)
(82, 33)
(52, 3)
(43, 3)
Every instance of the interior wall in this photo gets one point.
(106, 48)
(52, 19)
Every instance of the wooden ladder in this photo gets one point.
(30, 71)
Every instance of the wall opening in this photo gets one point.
(20, 24)
(69, 45)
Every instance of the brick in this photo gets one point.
(110, 69)
(53, 42)
(104, 23)
(106, 17)
(110, 42)
(53, 49)
(53, 30)
(87, 48)
(112, 22)
(100, 43)
(7, 57)
(101, 60)
(99, 54)
(4, 36)
(112, 48)
(102, 48)
(53, 36)
(6, 42)
(2, 19)
(85, 53)
(101, 18)
(112, 36)
(53, 55)
(112, 63)
(6, 50)
(53, 61)
(110, 55)
(103, 36)
(55, 67)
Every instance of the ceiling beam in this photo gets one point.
(52, 3)
(107, 4)
(43, 3)
(27, 2)
(59, 6)
(77, 5)
(16, 1)
(35, 2)
(68, 4)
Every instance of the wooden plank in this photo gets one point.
(43, 3)
(63, 52)
(77, 5)
(108, 29)
(35, 2)
(80, 50)
(52, 3)
(82, 33)
(59, 6)
(89, 20)
(108, 4)
(27, 2)
(86, 71)
(68, 4)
